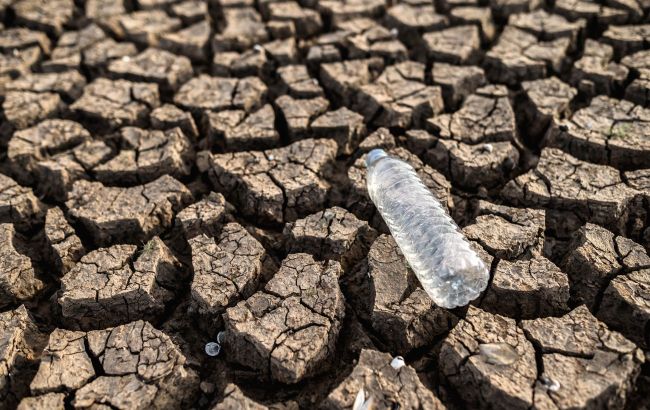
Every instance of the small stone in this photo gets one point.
(397, 362)
(212, 349)
(549, 384)
(498, 353)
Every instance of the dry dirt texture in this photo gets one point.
(178, 172)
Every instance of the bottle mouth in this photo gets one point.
(374, 156)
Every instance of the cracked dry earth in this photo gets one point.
(178, 172)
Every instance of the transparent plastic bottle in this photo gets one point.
(449, 270)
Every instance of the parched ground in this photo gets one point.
(175, 173)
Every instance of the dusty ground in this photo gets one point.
(174, 173)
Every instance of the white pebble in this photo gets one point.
(212, 349)
(550, 384)
(398, 362)
(358, 401)
(498, 353)
(361, 402)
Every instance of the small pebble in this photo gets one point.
(498, 353)
(361, 402)
(358, 401)
(550, 384)
(212, 348)
(328, 215)
(397, 362)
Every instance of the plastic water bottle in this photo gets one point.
(449, 270)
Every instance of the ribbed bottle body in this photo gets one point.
(449, 270)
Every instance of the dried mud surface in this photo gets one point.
(179, 172)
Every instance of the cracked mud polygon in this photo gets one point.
(178, 172)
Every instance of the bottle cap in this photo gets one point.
(375, 155)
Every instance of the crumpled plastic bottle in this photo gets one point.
(449, 270)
